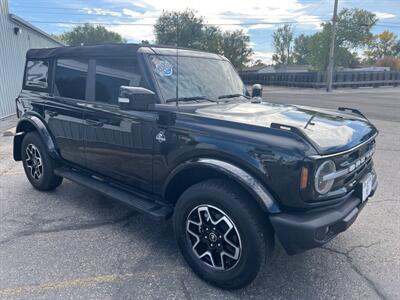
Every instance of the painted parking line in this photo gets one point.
(86, 281)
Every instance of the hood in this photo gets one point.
(329, 131)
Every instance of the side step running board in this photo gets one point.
(153, 209)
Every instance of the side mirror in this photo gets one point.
(256, 90)
(135, 98)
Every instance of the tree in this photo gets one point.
(353, 32)
(88, 34)
(257, 63)
(382, 45)
(282, 43)
(212, 39)
(389, 61)
(353, 28)
(184, 26)
(234, 48)
(302, 49)
(319, 52)
(193, 33)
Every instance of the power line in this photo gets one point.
(122, 15)
(304, 22)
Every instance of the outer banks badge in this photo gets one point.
(162, 67)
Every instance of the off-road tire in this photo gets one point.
(251, 223)
(33, 144)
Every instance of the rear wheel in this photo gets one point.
(223, 236)
(38, 165)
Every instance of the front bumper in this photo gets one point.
(301, 231)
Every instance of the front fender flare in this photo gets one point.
(246, 180)
(40, 128)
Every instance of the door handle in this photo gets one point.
(52, 113)
(94, 123)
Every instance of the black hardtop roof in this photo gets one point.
(112, 50)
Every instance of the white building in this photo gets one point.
(16, 37)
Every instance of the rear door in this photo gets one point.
(63, 111)
(119, 144)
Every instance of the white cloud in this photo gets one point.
(137, 25)
(229, 16)
(266, 56)
(261, 26)
(101, 12)
(384, 15)
(141, 29)
(135, 33)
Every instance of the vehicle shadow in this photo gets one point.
(315, 274)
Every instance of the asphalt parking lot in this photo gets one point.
(75, 244)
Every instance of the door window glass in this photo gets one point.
(111, 73)
(70, 79)
(37, 73)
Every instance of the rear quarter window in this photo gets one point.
(36, 74)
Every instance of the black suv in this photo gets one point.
(173, 132)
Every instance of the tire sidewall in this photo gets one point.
(47, 169)
(252, 255)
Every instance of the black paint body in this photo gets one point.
(121, 146)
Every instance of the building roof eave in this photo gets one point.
(19, 21)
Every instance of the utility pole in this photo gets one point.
(332, 49)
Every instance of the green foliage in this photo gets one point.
(353, 27)
(234, 48)
(193, 33)
(353, 32)
(188, 26)
(317, 52)
(302, 49)
(212, 39)
(282, 42)
(257, 63)
(383, 45)
(88, 34)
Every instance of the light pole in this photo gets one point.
(332, 49)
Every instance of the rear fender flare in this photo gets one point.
(40, 128)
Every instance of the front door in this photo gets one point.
(119, 144)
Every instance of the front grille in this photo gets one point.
(346, 161)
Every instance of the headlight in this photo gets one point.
(324, 186)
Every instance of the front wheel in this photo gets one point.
(222, 235)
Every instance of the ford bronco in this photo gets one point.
(174, 133)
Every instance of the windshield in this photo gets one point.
(198, 77)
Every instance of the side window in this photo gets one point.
(37, 74)
(70, 78)
(111, 73)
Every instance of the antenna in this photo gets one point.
(177, 61)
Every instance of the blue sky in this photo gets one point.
(133, 19)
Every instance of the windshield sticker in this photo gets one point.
(162, 67)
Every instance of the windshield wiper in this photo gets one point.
(194, 98)
(232, 96)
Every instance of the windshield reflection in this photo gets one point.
(198, 77)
